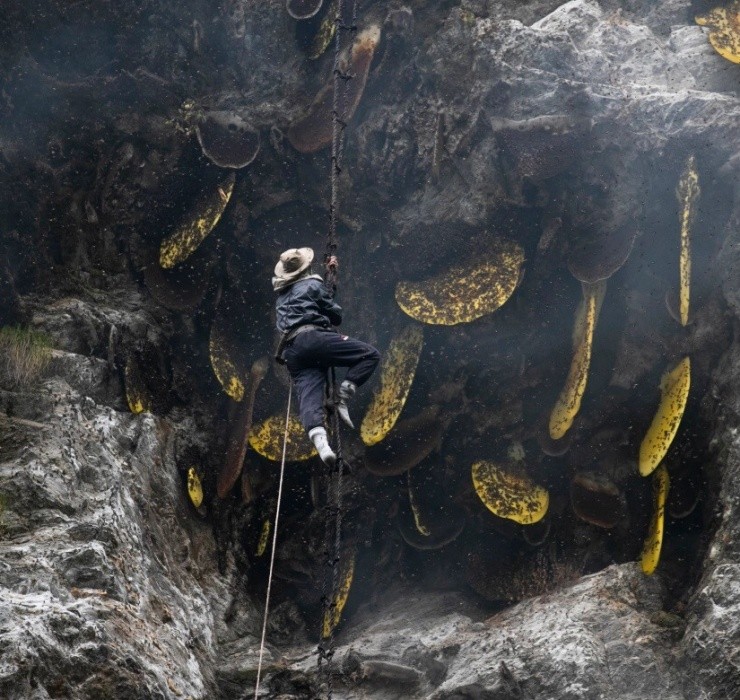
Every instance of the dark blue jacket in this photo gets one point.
(306, 301)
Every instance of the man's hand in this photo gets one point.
(332, 263)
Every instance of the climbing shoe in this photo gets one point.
(346, 392)
(321, 443)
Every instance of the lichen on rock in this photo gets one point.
(198, 223)
(267, 440)
(561, 127)
(397, 370)
(464, 293)
(654, 540)
(569, 400)
(724, 30)
(674, 393)
(687, 192)
(508, 494)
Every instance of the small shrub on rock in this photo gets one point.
(24, 355)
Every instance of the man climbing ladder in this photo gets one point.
(309, 345)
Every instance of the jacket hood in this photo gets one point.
(280, 284)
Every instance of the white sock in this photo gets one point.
(321, 442)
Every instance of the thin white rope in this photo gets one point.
(274, 545)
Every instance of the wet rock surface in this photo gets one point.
(104, 571)
(602, 637)
(545, 123)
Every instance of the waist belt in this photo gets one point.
(289, 336)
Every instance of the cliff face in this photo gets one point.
(570, 131)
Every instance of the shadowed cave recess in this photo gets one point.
(538, 225)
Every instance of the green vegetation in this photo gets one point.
(24, 355)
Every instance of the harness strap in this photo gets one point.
(288, 337)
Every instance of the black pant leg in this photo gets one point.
(342, 351)
(309, 357)
(309, 377)
(309, 384)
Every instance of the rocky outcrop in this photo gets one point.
(544, 122)
(612, 635)
(712, 629)
(606, 636)
(104, 571)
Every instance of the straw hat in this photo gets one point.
(293, 263)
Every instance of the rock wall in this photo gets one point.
(109, 583)
(114, 585)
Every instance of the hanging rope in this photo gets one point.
(333, 507)
(333, 514)
(274, 544)
(338, 125)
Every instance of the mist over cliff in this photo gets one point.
(539, 221)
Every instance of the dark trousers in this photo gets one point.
(311, 354)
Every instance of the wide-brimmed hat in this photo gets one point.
(293, 262)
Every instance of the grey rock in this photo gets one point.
(713, 627)
(594, 639)
(103, 589)
(710, 71)
(111, 584)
